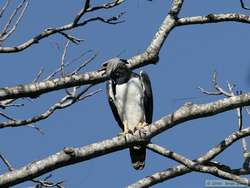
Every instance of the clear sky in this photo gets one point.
(187, 60)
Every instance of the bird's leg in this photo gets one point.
(126, 130)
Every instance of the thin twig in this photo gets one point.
(4, 8)
(46, 183)
(66, 101)
(243, 5)
(197, 166)
(38, 75)
(5, 33)
(6, 162)
(84, 64)
(71, 37)
(9, 103)
(53, 74)
(61, 30)
(63, 59)
(7, 117)
(36, 128)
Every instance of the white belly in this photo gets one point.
(129, 102)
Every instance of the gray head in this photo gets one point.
(117, 70)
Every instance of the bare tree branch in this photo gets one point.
(150, 56)
(71, 38)
(7, 117)
(196, 166)
(182, 169)
(38, 75)
(63, 59)
(214, 18)
(7, 103)
(6, 162)
(176, 7)
(53, 74)
(74, 155)
(230, 93)
(243, 5)
(185, 113)
(66, 101)
(87, 8)
(7, 31)
(76, 23)
(46, 183)
(84, 64)
(4, 8)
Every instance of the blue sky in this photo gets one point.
(187, 60)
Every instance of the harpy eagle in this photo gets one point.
(131, 101)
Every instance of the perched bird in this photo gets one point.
(131, 101)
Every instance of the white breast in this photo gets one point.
(129, 102)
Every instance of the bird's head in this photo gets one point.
(117, 70)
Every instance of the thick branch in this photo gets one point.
(212, 168)
(150, 56)
(182, 169)
(66, 157)
(65, 102)
(35, 89)
(74, 155)
(214, 18)
(176, 7)
(191, 111)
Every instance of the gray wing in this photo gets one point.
(110, 88)
(148, 96)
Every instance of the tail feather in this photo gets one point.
(138, 155)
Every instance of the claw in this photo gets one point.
(140, 125)
(128, 131)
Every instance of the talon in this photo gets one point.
(128, 131)
(140, 125)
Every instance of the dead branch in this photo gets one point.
(7, 32)
(5, 6)
(243, 5)
(75, 24)
(73, 155)
(6, 162)
(182, 169)
(66, 101)
(213, 168)
(230, 93)
(150, 56)
(214, 18)
(46, 183)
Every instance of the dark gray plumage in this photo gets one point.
(131, 101)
